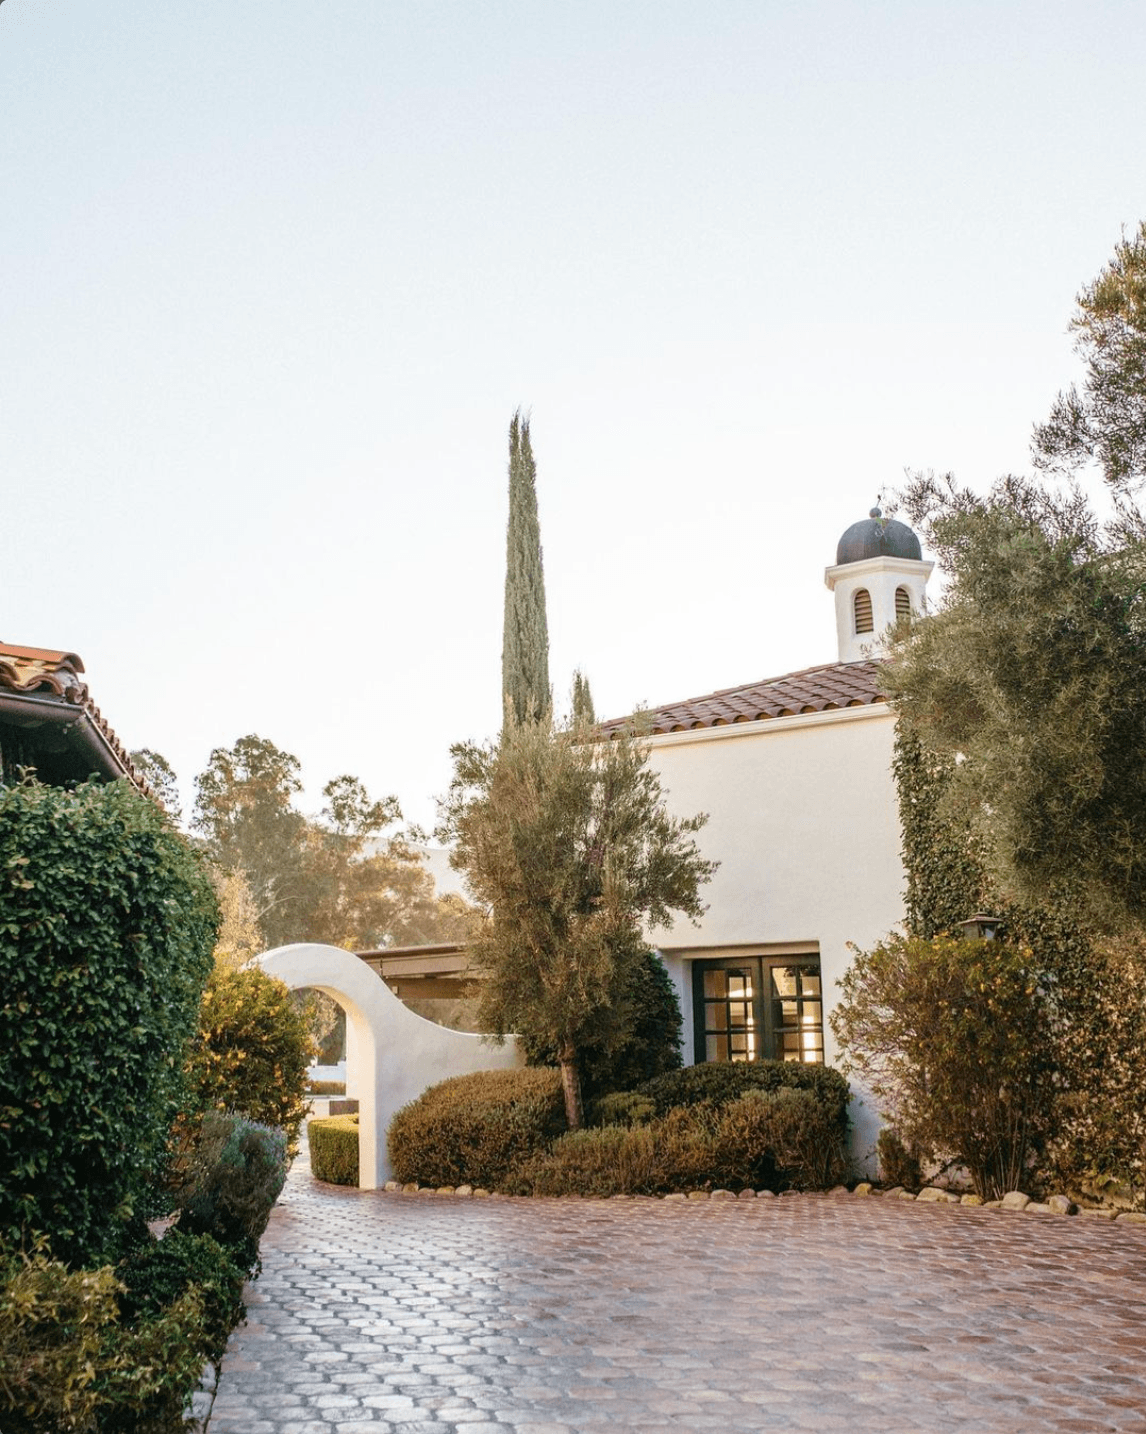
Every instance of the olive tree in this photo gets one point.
(565, 841)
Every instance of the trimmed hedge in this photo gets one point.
(778, 1139)
(326, 1087)
(715, 1084)
(334, 1149)
(475, 1129)
(107, 920)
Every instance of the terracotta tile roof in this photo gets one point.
(52, 679)
(39, 669)
(815, 689)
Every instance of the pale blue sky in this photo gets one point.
(273, 278)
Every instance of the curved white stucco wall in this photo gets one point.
(392, 1054)
(804, 822)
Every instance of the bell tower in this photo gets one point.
(879, 576)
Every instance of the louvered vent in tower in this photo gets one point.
(902, 604)
(863, 610)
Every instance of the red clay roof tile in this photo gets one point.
(814, 689)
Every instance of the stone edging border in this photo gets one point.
(929, 1195)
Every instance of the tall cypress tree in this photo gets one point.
(525, 637)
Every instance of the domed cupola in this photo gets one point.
(878, 537)
(878, 578)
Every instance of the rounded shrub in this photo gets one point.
(252, 1050)
(107, 920)
(675, 1152)
(230, 1181)
(779, 1139)
(475, 1129)
(334, 1149)
(715, 1084)
(159, 1272)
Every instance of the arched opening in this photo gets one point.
(861, 607)
(392, 1055)
(902, 604)
(329, 1026)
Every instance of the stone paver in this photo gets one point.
(381, 1312)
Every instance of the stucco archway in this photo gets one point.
(393, 1054)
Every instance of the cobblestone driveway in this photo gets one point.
(430, 1314)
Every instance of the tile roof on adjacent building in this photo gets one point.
(40, 684)
(815, 689)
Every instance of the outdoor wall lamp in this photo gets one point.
(980, 927)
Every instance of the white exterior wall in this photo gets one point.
(803, 820)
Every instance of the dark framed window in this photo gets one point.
(753, 1008)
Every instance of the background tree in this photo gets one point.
(339, 877)
(241, 936)
(244, 809)
(157, 772)
(525, 636)
(566, 843)
(1106, 422)
(583, 711)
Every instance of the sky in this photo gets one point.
(275, 277)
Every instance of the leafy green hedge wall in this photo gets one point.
(107, 921)
(334, 1149)
(948, 877)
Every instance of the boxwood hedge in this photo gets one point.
(475, 1129)
(334, 1149)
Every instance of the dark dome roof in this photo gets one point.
(878, 537)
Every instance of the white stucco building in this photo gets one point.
(795, 775)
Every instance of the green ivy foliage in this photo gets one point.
(947, 879)
(107, 920)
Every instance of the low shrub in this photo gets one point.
(622, 1107)
(252, 1050)
(897, 1164)
(475, 1129)
(158, 1273)
(673, 1153)
(148, 1372)
(327, 1087)
(714, 1084)
(68, 1365)
(775, 1139)
(52, 1324)
(785, 1139)
(334, 1149)
(230, 1182)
